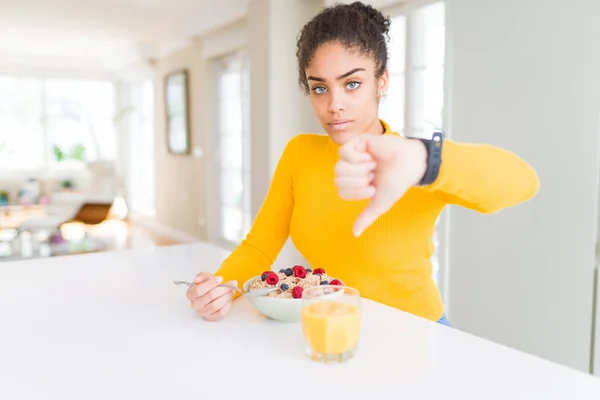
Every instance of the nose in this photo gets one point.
(337, 101)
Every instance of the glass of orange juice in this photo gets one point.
(331, 322)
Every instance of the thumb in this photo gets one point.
(235, 292)
(232, 283)
(205, 276)
(381, 147)
(379, 204)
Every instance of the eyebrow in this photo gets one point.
(347, 74)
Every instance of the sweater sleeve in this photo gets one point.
(271, 227)
(483, 178)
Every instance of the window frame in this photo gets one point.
(215, 170)
(137, 133)
(407, 10)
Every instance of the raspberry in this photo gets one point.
(297, 292)
(319, 271)
(272, 278)
(336, 282)
(299, 271)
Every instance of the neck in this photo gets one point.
(376, 128)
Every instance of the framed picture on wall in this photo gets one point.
(177, 110)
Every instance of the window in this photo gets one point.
(414, 102)
(21, 126)
(79, 119)
(140, 144)
(231, 162)
(413, 105)
(51, 122)
(392, 106)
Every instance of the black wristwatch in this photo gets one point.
(434, 157)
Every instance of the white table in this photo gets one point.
(113, 326)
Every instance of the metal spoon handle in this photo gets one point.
(233, 287)
(189, 284)
(182, 283)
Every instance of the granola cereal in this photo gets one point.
(288, 279)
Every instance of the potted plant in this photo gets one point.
(3, 197)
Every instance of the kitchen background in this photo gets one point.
(144, 123)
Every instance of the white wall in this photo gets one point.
(375, 3)
(279, 109)
(526, 76)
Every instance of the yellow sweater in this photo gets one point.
(390, 262)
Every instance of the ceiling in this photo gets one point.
(106, 36)
(102, 35)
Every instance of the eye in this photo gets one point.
(319, 89)
(353, 85)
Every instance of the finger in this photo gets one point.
(345, 168)
(219, 314)
(219, 307)
(355, 151)
(354, 182)
(379, 204)
(229, 289)
(232, 283)
(202, 277)
(203, 288)
(220, 310)
(365, 192)
(224, 310)
(382, 146)
(218, 303)
(202, 301)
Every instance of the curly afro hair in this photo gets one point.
(356, 26)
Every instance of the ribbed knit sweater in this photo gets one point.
(390, 262)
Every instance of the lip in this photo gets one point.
(339, 124)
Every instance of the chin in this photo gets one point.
(339, 137)
(340, 134)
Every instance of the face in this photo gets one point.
(344, 91)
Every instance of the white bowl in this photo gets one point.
(285, 310)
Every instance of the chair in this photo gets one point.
(92, 213)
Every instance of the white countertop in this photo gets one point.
(113, 326)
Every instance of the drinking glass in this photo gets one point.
(331, 322)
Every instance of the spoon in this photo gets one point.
(253, 293)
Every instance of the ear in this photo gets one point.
(383, 83)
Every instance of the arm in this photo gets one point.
(483, 178)
(270, 229)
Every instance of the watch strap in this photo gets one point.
(434, 157)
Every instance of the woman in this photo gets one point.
(322, 184)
